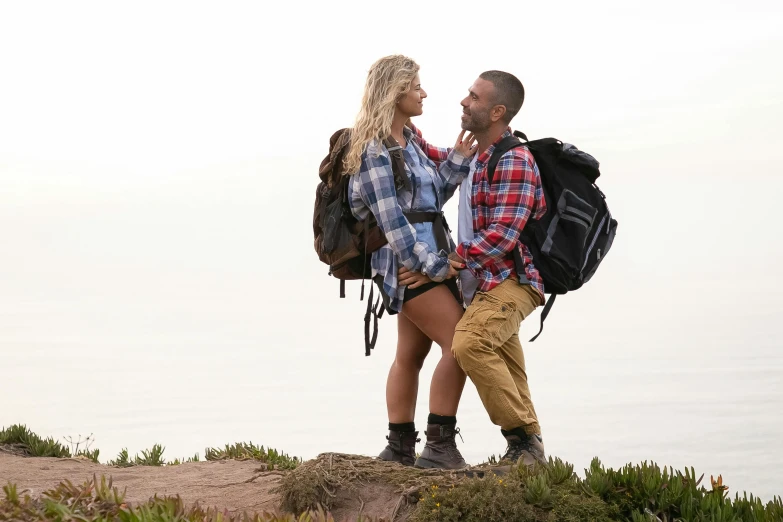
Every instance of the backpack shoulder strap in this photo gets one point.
(398, 163)
(544, 313)
(505, 145)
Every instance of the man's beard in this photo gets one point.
(476, 122)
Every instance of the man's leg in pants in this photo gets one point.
(486, 346)
(512, 354)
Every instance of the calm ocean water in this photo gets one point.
(720, 414)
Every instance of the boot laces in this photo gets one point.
(450, 439)
(451, 443)
(515, 449)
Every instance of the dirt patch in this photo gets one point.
(346, 485)
(237, 486)
(372, 500)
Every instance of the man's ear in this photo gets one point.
(497, 112)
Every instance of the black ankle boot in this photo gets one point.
(401, 447)
(529, 448)
(441, 448)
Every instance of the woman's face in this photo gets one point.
(411, 103)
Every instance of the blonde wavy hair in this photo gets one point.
(388, 79)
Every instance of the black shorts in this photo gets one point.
(411, 293)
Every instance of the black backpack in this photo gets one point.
(571, 239)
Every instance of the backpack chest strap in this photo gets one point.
(440, 227)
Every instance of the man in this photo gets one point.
(491, 216)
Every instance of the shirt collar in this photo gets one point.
(374, 146)
(484, 157)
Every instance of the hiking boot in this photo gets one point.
(529, 448)
(401, 447)
(441, 448)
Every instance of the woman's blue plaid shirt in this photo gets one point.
(372, 190)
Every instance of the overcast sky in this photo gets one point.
(171, 148)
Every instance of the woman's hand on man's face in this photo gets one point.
(466, 145)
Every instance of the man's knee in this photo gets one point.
(462, 346)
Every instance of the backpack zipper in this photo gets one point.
(582, 216)
(595, 238)
(332, 268)
(569, 216)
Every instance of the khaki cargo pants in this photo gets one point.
(486, 346)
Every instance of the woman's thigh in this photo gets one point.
(436, 313)
(413, 345)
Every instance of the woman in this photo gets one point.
(424, 296)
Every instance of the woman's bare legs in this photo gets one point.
(402, 385)
(436, 313)
(431, 316)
